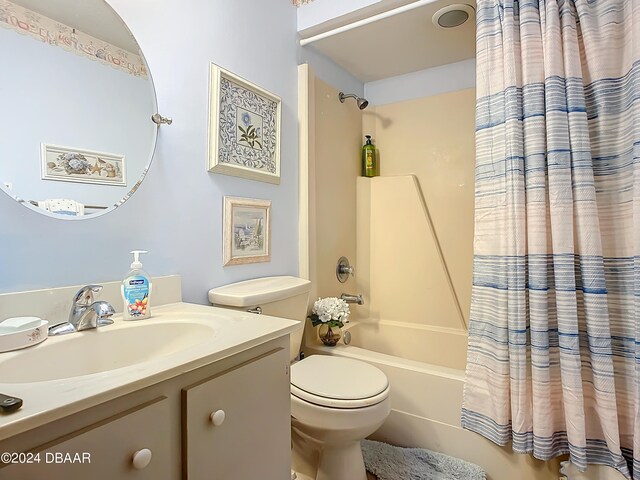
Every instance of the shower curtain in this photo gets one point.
(554, 339)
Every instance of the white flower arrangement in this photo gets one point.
(331, 310)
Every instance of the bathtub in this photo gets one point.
(425, 368)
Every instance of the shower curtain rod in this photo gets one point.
(365, 21)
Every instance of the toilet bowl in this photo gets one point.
(335, 401)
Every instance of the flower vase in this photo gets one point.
(329, 335)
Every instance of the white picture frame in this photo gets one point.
(247, 231)
(79, 165)
(244, 128)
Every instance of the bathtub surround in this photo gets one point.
(552, 357)
(430, 139)
(446, 347)
(330, 165)
(409, 280)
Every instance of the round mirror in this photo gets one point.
(77, 100)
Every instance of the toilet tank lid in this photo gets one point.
(258, 291)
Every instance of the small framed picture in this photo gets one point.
(247, 231)
(244, 128)
(69, 164)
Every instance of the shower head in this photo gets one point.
(362, 103)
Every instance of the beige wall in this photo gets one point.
(333, 147)
(408, 279)
(420, 236)
(432, 138)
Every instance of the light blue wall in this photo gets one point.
(177, 212)
(330, 72)
(423, 83)
(80, 103)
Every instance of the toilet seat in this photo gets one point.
(338, 382)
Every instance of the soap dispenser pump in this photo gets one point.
(136, 290)
(370, 161)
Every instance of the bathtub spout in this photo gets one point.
(349, 298)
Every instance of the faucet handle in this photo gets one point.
(104, 311)
(84, 296)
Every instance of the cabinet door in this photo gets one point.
(249, 435)
(104, 451)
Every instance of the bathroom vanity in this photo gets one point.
(212, 405)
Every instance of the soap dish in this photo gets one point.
(32, 334)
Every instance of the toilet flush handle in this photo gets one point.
(256, 310)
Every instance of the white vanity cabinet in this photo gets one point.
(237, 423)
(103, 451)
(229, 420)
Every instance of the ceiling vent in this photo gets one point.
(453, 15)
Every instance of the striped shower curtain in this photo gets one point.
(554, 338)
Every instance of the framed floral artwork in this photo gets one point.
(244, 128)
(247, 231)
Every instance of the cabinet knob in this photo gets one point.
(217, 417)
(141, 458)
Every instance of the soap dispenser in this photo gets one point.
(370, 163)
(136, 290)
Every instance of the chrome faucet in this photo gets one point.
(85, 313)
(349, 298)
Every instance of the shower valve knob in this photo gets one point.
(346, 270)
(343, 269)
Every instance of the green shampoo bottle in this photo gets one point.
(370, 163)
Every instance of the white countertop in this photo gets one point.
(46, 401)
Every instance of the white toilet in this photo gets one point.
(335, 401)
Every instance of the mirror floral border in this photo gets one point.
(51, 32)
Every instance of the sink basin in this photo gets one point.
(100, 350)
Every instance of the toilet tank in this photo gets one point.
(282, 296)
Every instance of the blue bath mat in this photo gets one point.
(396, 463)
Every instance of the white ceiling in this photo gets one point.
(94, 17)
(404, 43)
